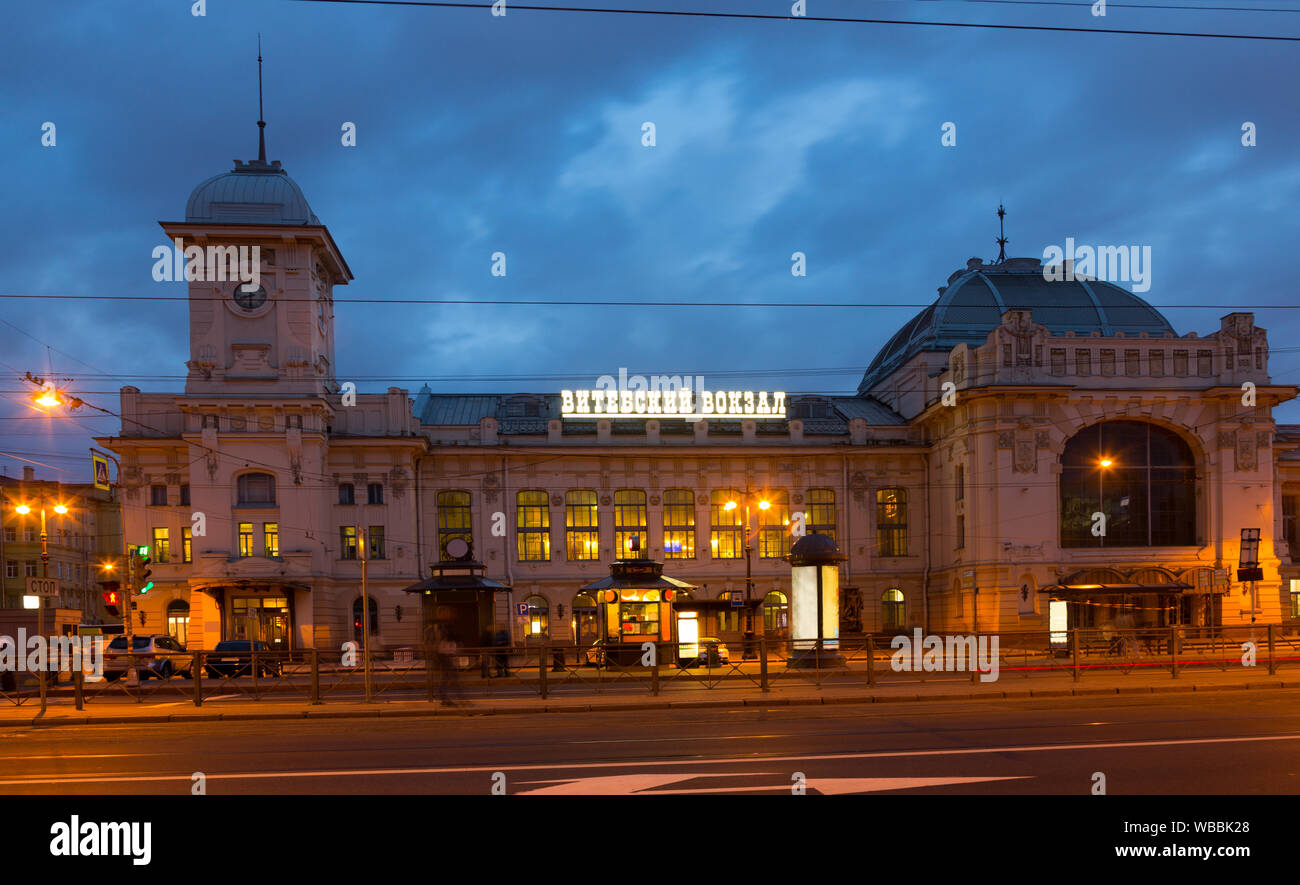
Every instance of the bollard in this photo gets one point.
(654, 675)
(541, 669)
(557, 659)
(254, 647)
(871, 660)
(1173, 651)
(1074, 651)
(196, 676)
(1272, 661)
(428, 673)
(315, 677)
(77, 679)
(762, 664)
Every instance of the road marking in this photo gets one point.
(644, 784)
(553, 766)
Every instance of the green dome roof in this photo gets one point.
(972, 304)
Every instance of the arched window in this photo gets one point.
(356, 617)
(453, 519)
(1141, 477)
(533, 526)
(774, 525)
(892, 609)
(776, 612)
(891, 522)
(679, 524)
(581, 525)
(728, 526)
(255, 489)
(629, 523)
(538, 623)
(178, 620)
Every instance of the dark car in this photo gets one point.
(159, 655)
(234, 657)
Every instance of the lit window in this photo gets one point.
(178, 620)
(245, 539)
(538, 622)
(454, 517)
(776, 612)
(629, 523)
(271, 537)
(727, 526)
(533, 526)
(581, 525)
(892, 609)
(679, 524)
(161, 545)
(347, 542)
(377, 543)
(187, 545)
(774, 526)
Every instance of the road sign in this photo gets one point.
(42, 587)
(737, 599)
(521, 608)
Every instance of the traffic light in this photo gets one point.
(112, 599)
(140, 569)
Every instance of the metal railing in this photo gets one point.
(553, 670)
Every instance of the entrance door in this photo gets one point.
(274, 627)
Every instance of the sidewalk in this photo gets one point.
(61, 710)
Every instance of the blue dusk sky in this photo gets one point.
(523, 134)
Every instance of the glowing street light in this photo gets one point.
(1106, 462)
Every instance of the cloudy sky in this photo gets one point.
(523, 134)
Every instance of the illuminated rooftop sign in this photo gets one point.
(689, 404)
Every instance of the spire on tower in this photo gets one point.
(261, 123)
(1002, 237)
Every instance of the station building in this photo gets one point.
(963, 481)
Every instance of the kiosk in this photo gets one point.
(634, 606)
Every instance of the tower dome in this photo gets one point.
(972, 304)
(255, 192)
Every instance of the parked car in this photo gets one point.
(234, 657)
(709, 647)
(153, 655)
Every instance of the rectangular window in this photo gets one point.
(29, 533)
(1132, 362)
(1058, 361)
(1082, 362)
(727, 525)
(1107, 361)
(533, 526)
(630, 525)
(1295, 598)
(961, 531)
(29, 569)
(375, 493)
(961, 481)
(891, 522)
(347, 493)
(1157, 359)
(1289, 533)
(271, 538)
(377, 550)
(1204, 363)
(11, 568)
(11, 535)
(245, 539)
(820, 516)
(187, 545)
(679, 524)
(347, 542)
(1180, 362)
(581, 525)
(185, 496)
(453, 519)
(774, 526)
(158, 496)
(161, 545)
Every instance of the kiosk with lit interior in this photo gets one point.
(635, 606)
(458, 597)
(815, 602)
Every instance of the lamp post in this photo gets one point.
(763, 504)
(24, 510)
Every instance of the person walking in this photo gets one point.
(448, 679)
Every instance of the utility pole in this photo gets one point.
(365, 613)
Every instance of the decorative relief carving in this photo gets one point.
(1026, 460)
(1043, 439)
(701, 499)
(1006, 440)
(1227, 439)
(858, 485)
(851, 610)
(1245, 452)
(797, 498)
(557, 500)
(606, 500)
(397, 482)
(1263, 439)
(654, 500)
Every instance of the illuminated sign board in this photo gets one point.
(686, 403)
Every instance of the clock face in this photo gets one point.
(250, 300)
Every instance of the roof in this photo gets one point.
(252, 193)
(973, 302)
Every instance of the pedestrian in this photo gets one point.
(449, 680)
(502, 642)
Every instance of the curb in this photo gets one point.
(632, 706)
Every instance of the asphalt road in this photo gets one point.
(1231, 743)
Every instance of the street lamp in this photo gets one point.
(25, 509)
(763, 504)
